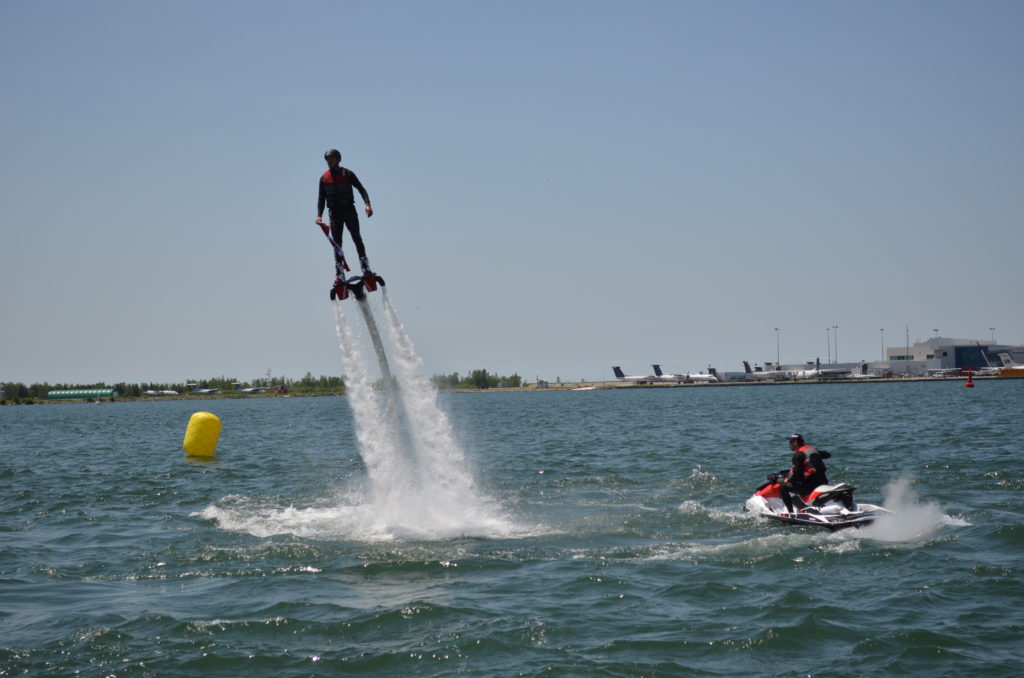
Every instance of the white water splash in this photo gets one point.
(445, 497)
(418, 483)
(378, 436)
(350, 519)
(911, 520)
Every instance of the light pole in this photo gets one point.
(828, 342)
(993, 331)
(882, 330)
(908, 349)
(777, 359)
(835, 338)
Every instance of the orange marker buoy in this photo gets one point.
(970, 380)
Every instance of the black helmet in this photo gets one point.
(332, 152)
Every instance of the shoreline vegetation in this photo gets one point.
(228, 387)
(16, 393)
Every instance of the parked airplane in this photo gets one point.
(760, 374)
(1010, 368)
(1008, 361)
(685, 377)
(160, 393)
(862, 373)
(635, 378)
(818, 373)
(253, 389)
(989, 370)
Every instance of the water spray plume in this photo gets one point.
(418, 475)
(377, 439)
(911, 520)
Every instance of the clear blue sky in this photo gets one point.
(559, 186)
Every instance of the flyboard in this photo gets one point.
(357, 286)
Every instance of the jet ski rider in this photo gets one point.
(336, 186)
(806, 473)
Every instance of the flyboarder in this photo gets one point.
(336, 193)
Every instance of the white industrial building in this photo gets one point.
(942, 353)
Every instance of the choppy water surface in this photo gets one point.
(603, 536)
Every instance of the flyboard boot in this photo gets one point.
(339, 288)
(357, 285)
(343, 285)
(370, 279)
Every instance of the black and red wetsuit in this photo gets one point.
(336, 193)
(806, 473)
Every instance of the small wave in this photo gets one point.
(749, 550)
(842, 545)
(359, 522)
(692, 507)
(698, 472)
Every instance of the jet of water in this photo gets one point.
(379, 441)
(422, 485)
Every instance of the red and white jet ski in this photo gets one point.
(829, 506)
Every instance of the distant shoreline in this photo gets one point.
(564, 386)
(613, 385)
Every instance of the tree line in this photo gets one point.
(308, 385)
(18, 392)
(480, 379)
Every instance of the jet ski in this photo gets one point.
(829, 506)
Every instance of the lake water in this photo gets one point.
(601, 534)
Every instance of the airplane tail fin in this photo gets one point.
(657, 370)
(1007, 360)
(714, 373)
(618, 372)
(746, 367)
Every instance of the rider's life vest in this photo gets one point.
(338, 189)
(807, 470)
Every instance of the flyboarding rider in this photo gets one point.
(336, 193)
(806, 473)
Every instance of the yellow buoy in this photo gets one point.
(201, 434)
